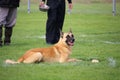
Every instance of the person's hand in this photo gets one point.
(70, 6)
(41, 3)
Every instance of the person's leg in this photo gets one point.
(51, 27)
(8, 34)
(0, 36)
(10, 23)
(61, 14)
(3, 15)
(60, 18)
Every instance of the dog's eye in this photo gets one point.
(72, 35)
(67, 36)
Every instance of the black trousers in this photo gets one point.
(55, 20)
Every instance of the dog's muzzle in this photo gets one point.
(70, 40)
(71, 43)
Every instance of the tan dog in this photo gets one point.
(59, 52)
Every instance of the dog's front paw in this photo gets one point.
(73, 60)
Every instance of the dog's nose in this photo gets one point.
(73, 40)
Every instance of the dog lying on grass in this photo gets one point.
(59, 52)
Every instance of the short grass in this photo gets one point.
(97, 36)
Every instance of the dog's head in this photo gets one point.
(68, 38)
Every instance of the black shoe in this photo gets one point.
(1, 36)
(8, 34)
(7, 43)
(0, 43)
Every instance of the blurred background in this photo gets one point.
(79, 6)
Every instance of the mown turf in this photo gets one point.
(97, 37)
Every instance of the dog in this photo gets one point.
(59, 52)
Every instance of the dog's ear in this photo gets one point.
(70, 30)
(61, 34)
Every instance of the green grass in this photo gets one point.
(97, 36)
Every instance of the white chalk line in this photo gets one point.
(102, 41)
(97, 40)
(39, 37)
(83, 40)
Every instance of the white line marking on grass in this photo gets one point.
(101, 41)
(84, 36)
(110, 42)
(40, 37)
(43, 37)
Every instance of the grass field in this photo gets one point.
(97, 35)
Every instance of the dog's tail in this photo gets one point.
(8, 61)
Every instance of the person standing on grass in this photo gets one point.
(56, 15)
(8, 13)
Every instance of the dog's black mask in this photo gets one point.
(70, 40)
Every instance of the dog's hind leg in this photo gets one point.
(36, 57)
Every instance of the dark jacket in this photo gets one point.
(9, 3)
